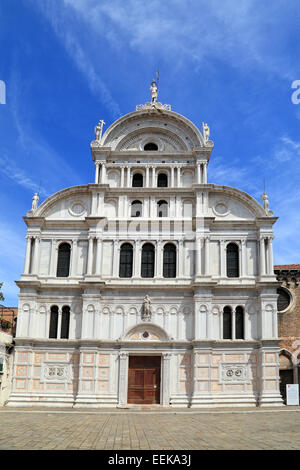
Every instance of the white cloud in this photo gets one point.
(19, 176)
(81, 57)
(239, 34)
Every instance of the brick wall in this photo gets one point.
(289, 319)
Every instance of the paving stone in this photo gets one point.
(70, 429)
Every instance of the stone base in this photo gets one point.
(65, 401)
(268, 399)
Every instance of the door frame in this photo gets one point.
(144, 368)
(124, 371)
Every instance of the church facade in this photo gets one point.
(150, 285)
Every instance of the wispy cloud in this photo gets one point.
(197, 30)
(19, 176)
(58, 18)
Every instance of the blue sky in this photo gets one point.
(68, 63)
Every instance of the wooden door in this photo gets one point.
(144, 379)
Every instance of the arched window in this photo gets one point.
(162, 180)
(162, 209)
(150, 146)
(169, 260)
(232, 258)
(63, 260)
(239, 323)
(136, 209)
(126, 259)
(53, 321)
(65, 322)
(148, 259)
(137, 180)
(227, 323)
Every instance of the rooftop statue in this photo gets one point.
(98, 130)
(205, 132)
(35, 200)
(154, 91)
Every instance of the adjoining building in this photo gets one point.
(288, 324)
(150, 285)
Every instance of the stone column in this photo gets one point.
(243, 258)
(36, 255)
(262, 256)
(74, 258)
(122, 176)
(180, 258)
(90, 256)
(222, 258)
(153, 176)
(28, 254)
(166, 359)
(204, 173)
(159, 258)
(178, 207)
(206, 265)
(172, 177)
(59, 322)
(179, 177)
(94, 203)
(53, 258)
(233, 323)
(198, 260)
(103, 173)
(137, 259)
(123, 378)
(198, 173)
(97, 172)
(270, 256)
(116, 258)
(98, 256)
(147, 176)
(128, 176)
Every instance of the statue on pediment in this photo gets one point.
(35, 200)
(98, 130)
(205, 132)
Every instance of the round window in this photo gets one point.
(283, 300)
(151, 146)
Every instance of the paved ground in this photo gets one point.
(34, 428)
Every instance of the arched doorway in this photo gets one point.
(286, 372)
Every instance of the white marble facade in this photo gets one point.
(199, 367)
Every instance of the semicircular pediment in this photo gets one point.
(145, 332)
(175, 130)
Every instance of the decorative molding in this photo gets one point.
(233, 372)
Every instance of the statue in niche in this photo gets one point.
(146, 309)
(98, 130)
(35, 201)
(205, 131)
